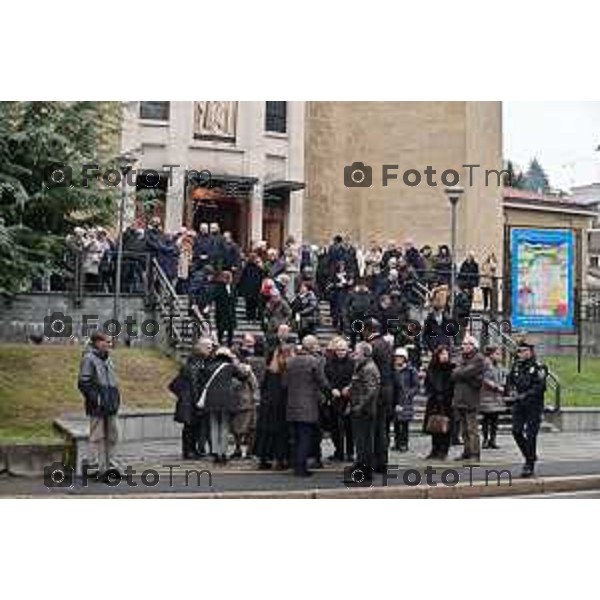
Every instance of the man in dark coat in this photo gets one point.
(231, 253)
(201, 248)
(306, 382)
(99, 386)
(527, 379)
(383, 355)
(249, 285)
(187, 386)
(225, 302)
(339, 368)
(468, 381)
(360, 305)
(364, 398)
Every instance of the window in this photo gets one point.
(155, 111)
(276, 119)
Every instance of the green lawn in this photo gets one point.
(39, 384)
(578, 389)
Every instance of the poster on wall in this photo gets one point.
(542, 279)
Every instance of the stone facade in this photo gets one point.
(413, 135)
(240, 147)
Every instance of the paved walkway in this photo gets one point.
(561, 454)
(552, 447)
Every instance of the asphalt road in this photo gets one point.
(174, 480)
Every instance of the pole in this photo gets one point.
(578, 311)
(453, 244)
(119, 252)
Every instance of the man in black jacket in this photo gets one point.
(339, 368)
(527, 379)
(383, 356)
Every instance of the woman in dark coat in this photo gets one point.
(439, 389)
(188, 385)
(220, 399)
(225, 303)
(272, 439)
(443, 265)
(249, 286)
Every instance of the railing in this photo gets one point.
(164, 295)
(135, 274)
(185, 325)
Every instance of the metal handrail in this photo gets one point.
(172, 304)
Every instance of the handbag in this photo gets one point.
(437, 424)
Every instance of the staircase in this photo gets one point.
(185, 326)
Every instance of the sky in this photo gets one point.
(562, 135)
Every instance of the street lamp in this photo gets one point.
(125, 162)
(454, 193)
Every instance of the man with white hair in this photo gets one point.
(468, 380)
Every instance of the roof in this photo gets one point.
(528, 198)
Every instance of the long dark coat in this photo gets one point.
(271, 428)
(221, 393)
(225, 304)
(439, 388)
(250, 281)
(187, 387)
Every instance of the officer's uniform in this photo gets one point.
(527, 379)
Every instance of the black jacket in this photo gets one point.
(250, 280)
(527, 378)
(439, 388)
(225, 304)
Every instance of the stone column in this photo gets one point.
(179, 139)
(296, 113)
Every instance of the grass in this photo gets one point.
(578, 389)
(39, 384)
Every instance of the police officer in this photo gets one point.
(527, 380)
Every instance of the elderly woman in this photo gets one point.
(219, 398)
(492, 396)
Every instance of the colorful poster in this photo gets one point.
(542, 279)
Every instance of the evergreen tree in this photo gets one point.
(35, 216)
(536, 178)
(514, 178)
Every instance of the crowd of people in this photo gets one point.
(276, 395)
(279, 285)
(278, 402)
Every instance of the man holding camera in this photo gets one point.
(98, 384)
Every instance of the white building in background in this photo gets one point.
(254, 152)
(590, 196)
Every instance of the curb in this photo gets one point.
(524, 487)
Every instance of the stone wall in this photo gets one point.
(24, 315)
(413, 135)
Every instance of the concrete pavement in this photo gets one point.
(160, 471)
